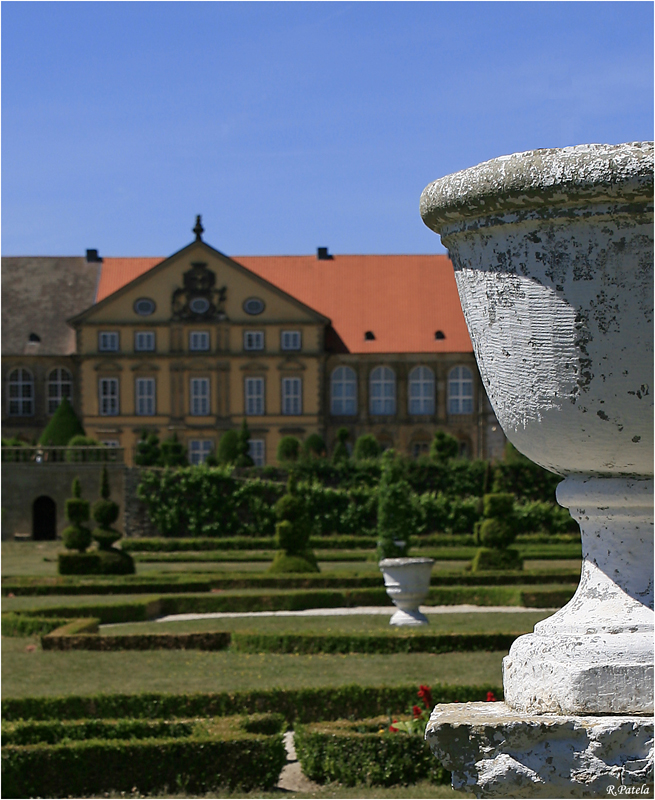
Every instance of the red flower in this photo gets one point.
(417, 711)
(426, 696)
(392, 729)
(491, 697)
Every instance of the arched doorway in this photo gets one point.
(44, 519)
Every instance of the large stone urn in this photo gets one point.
(553, 257)
(407, 581)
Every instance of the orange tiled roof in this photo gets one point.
(402, 299)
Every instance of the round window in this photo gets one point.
(199, 305)
(144, 306)
(253, 305)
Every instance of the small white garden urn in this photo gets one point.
(553, 257)
(407, 581)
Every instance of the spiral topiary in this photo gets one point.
(105, 513)
(76, 536)
(292, 533)
(496, 532)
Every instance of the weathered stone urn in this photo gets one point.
(407, 581)
(553, 257)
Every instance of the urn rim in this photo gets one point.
(536, 179)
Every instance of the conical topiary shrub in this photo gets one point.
(62, 427)
(292, 533)
(243, 446)
(76, 536)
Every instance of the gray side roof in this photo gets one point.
(39, 294)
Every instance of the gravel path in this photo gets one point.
(359, 610)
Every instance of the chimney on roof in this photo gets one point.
(322, 254)
(92, 257)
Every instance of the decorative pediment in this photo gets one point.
(291, 364)
(193, 366)
(108, 366)
(199, 300)
(144, 366)
(254, 366)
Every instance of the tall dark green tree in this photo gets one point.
(62, 427)
(243, 446)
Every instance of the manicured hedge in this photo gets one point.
(365, 753)
(380, 644)
(250, 580)
(191, 765)
(301, 705)
(216, 640)
(284, 643)
(14, 624)
(196, 501)
(252, 555)
(241, 543)
(76, 627)
(56, 731)
(108, 613)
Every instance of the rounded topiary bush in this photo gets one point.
(488, 558)
(301, 562)
(366, 446)
(497, 533)
(314, 446)
(288, 449)
(76, 537)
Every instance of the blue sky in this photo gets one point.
(291, 125)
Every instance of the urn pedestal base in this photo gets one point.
(494, 751)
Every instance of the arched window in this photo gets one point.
(60, 385)
(382, 386)
(343, 391)
(421, 391)
(460, 391)
(20, 393)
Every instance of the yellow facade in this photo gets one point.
(200, 376)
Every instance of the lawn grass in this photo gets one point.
(477, 622)
(29, 671)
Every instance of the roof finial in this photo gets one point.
(198, 230)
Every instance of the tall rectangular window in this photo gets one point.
(292, 395)
(199, 397)
(145, 397)
(199, 340)
(254, 391)
(199, 449)
(290, 340)
(108, 391)
(253, 340)
(108, 341)
(144, 341)
(257, 451)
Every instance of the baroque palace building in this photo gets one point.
(193, 343)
